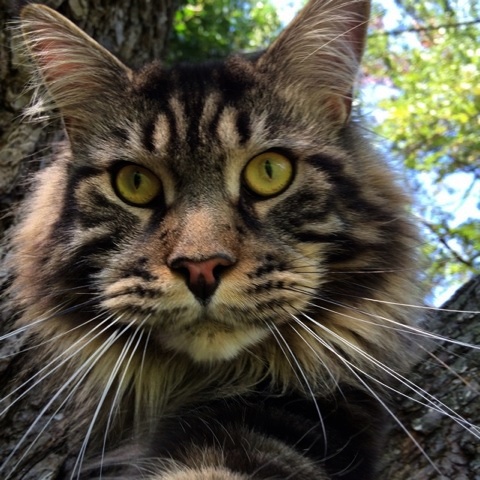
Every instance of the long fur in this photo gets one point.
(312, 318)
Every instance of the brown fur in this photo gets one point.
(310, 319)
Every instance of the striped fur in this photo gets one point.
(277, 375)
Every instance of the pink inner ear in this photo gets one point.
(52, 63)
(338, 108)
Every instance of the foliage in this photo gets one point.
(209, 29)
(429, 68)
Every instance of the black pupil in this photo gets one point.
(269, 169)
(137, 180)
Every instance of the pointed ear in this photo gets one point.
(316, 60)
(77, 72)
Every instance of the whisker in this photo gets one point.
(305, 380)
(138, 329)
(353, 369)
(48, 366)
(421, 307)
(450, 369)
(48, 316)
(431, 401)
(86, 366)
(401, 327)
(51, 339)
(111, 379)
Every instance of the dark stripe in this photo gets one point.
(194, 104)
(78, 173)
(269, 286)
(121, 134)
(350, 289)
(158, 210)
(69, 211)
(346, 188)
(172, 147)
(335, 239)
(332, 166)
(213, 127)
(139, 269)
(153, 84)
(248, 215)
(348, 191)
(100, 211)
(302, 219)
(144, 292)
(243, 127)
(269, 266)
(342, 248)
(79, 269)
(147, 137)
(234, 80)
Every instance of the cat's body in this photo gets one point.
(216, 266)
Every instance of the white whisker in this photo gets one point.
(50, 314)
(87, 366)
(107, 387)
(354, 369)
(114, 404)
(53, 338)
(398, 326)
(54, 365)
(305, 380)
(430, 400)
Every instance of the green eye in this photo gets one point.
(136, 185)
(268, 174)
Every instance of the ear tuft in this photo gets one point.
(316, 60)
(74, 69)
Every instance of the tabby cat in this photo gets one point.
(214, 269)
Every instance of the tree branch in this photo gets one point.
(401, 31)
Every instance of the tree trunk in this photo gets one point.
(450, 372)
(136, 32)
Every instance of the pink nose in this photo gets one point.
(202, 277)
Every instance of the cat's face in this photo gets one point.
(238, 233)
(218, 207)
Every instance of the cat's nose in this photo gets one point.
(202, 277)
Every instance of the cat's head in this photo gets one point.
(226, 209)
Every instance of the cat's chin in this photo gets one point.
(214, 346)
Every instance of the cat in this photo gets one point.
(214, 274)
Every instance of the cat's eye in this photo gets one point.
(268, 174)
(136, 185)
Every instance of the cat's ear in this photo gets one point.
(316, 59)
(75, 70)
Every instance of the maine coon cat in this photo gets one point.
(215, 271)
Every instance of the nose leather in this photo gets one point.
(202, 277)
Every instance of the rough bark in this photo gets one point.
(450, 372)
(136, 32)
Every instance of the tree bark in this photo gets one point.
(451, 373)
(136, 32)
